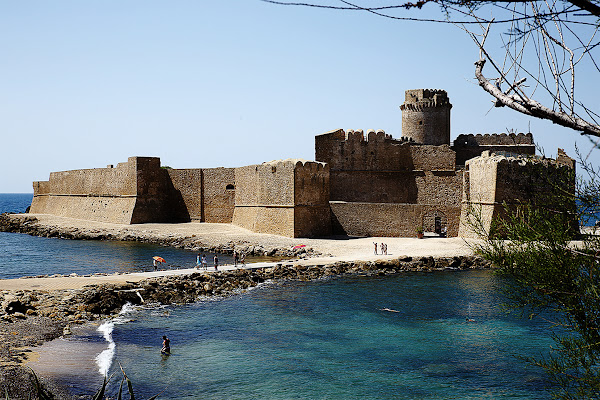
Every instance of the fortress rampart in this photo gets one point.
(470, 146)
(379, 169)
(506, 139)
(426, 116)
(361, 184)
(287, 197)
(138, 191)
(125, 194)
(494, 181)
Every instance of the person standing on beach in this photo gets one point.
(375, 244)
(216, 260)
(235, 258)
(204, 263)
(154, 263)
(243, 259)
(197, 261)
(166, 346)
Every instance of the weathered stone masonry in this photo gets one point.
(360, 185)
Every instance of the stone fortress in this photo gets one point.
(359, 185)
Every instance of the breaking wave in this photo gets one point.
(105, 358)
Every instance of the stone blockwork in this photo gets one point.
(138, 191)
(361, 184)
(188, 184)
(379, 169)
(493, 182)
(287, 197)
(384, 219)
(426, 116)
(218, 194)
(385, 187)
(124, 194)
(470, 146)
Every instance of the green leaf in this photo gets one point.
(100, 393)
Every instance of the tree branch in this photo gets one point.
(587, 6)
(532, 107)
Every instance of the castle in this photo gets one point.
(359, 185)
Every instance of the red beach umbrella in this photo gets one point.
(159, 259)
(299, 246)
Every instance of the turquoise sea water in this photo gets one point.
(24, 255)
(396, 337)
(332, 339)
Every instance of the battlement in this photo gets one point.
(297, 164)
(357, 135)
(419, 99)
(503, 139)
(507, 158)
(426, 116)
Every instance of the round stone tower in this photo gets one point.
(426, 116)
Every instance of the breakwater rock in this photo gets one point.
(99, 301)
(31, 317)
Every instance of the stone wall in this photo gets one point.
(287, 198)
(471, 146)
(379, 169)
(426, 116)
(187, 185)
(432, 158)
(439, 187)
(154, 200)
(384, 219)
(136, 191)
(312, 217)
(376, 151)
(207, 195)
(264, 198)
(101, 194)
(218, 194)
(492, 182)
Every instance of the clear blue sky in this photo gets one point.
(219, 83)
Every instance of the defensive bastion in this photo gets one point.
(360, 184)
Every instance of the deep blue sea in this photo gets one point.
(396, 337)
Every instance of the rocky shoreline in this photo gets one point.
(30, 225)
(30, 317)
(48, 315)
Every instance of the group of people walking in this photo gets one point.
(238, 258)
(383, 248)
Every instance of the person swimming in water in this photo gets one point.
(166, 346)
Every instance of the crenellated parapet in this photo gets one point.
(469, 146)
(504, 139)
(358, 135)
(354, 150)
(426, 116)
(420, 99)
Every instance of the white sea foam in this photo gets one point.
(105, 358)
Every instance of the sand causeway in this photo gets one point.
(330, 249)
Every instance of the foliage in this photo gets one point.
(44, 394)
(556, 278)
